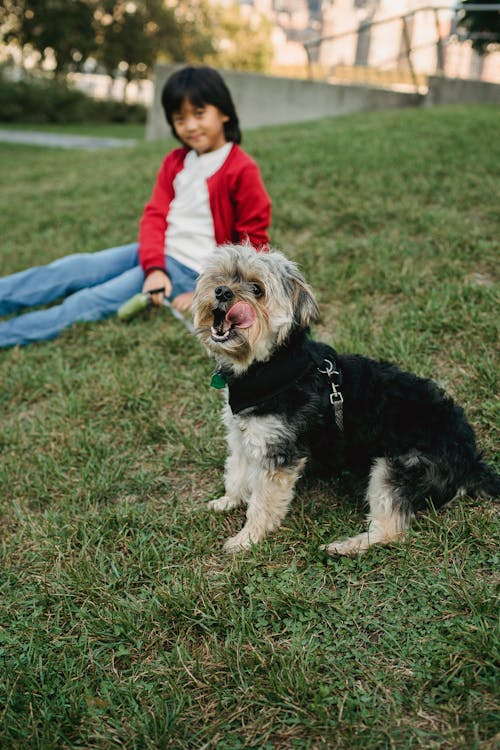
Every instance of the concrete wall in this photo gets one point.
(266, 100)
(460, 91)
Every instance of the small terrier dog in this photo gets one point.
(292, 401)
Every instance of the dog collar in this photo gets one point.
(266, 380)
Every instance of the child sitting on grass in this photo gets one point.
(208, 192)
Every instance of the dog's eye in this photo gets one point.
(256, 290)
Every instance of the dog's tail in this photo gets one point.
(484, 481)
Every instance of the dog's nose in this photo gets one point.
(223, 293)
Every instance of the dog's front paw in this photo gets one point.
(223, 503)
(243, 540)
(347, 547)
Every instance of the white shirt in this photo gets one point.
(190, 236)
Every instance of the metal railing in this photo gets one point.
(394, 63)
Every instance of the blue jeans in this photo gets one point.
(94, 285)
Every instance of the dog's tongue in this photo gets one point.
(241, 315)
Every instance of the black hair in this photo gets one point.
(200, 85)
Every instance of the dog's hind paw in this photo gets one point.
(379, 532)
(223, 503)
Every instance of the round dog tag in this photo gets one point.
(218, 380)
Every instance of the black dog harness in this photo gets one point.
(265, 380)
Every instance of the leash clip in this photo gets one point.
(336, 398)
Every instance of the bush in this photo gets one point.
(41, 100)
(110, 110)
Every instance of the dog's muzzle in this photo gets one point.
(229, 317)
(223, 295)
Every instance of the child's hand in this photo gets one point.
(183, 302)
(157, 280)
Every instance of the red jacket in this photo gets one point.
(241, 208)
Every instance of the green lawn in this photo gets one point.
(122, 622)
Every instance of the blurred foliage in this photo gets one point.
(482, 27)
(121, 37)
(39, 100)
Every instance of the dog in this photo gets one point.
(292, 402)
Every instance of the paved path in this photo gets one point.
(38, 138)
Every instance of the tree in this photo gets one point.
(127, 36)
(242, 38)
(131, 35)
(123, 36)
(51, 27)
(482, 27)
(195, 40)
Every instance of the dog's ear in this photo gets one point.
(305, 307)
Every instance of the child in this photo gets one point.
(207, 193)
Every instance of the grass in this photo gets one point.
(122, 622)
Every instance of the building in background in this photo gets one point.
(343, 37)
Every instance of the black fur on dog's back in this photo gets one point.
(401, 414)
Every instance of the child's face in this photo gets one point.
(200, 128)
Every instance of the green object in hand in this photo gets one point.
(143, 301)
(133, 306)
